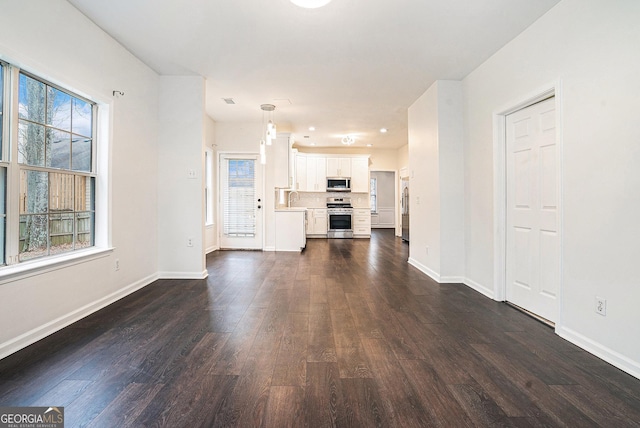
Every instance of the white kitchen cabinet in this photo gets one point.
(301, 172)
(290, 230)
(338, 167)
(316, 174)
(361, 223)
(317, 222)
(360, 175)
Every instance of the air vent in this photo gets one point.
(228, 100)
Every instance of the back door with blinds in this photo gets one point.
(241, 202)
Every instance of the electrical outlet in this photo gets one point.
(191, 174)
(601, 306)
(189, 242)
(116, 264)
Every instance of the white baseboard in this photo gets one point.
(424, 269)
(612, 357)
(211, 249)
(183, 275)
(38, 333)
(269, 249)
(452, 279)
(479, 288)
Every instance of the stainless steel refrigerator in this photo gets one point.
(405, 209)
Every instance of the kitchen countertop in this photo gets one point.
(290, 209)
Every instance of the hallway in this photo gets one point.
(344, 334)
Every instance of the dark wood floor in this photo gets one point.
(344, 334)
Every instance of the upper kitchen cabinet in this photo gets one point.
(360, 175)
(312, 171)
(338, 167)
(301, 172)
(316, 174)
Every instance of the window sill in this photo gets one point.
(38, 267)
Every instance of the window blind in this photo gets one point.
(239, 197)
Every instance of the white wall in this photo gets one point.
(451, 175)
(424, 183)
(436, 181)
(180, 198)
(81, 57)
(591, 48)
(245, 138)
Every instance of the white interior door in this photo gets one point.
(532, 247)
(241, 202)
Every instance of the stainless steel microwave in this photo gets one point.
(338, 184)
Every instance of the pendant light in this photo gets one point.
(263, 152)
(310, 4)
(271, 127)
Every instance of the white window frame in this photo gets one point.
(14, 270)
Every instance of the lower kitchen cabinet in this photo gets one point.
(361, 223)
(317, 222)
(290, 230)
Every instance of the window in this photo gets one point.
(239, 187)
(50, 176)
(373, 192)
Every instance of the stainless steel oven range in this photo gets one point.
(339, 218)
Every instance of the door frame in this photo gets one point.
(219, 190)
(553, 89)
(396, 205)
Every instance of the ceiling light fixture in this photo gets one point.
(271, 127)
(383, 130)
(348, 140)
(310, 4)
(312, 128)
(369, 145)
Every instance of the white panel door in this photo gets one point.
(241, 202)
(533, 256)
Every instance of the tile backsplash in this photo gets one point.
(319, 199)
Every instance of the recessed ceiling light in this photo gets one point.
(313, 144)
(369, 145)
(310, 4)
(383, 130)
(312, 128)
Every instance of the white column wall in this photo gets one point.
(451, 171)
(590, 49)
(424, 183)
(180, 198)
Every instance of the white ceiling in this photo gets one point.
(351, 67)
